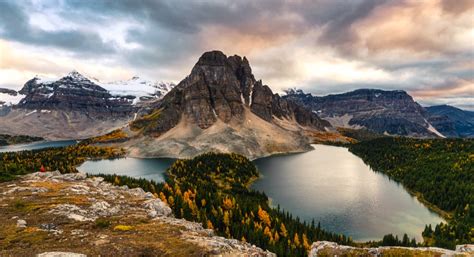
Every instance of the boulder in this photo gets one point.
(21, 223)
(157, 208)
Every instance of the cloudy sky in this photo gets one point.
(425, 47)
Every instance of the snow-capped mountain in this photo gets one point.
(75, 106)
(133, 90)
(140, 88)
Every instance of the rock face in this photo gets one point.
(451, 121)
(221, 107)
(91, 217)
(392, 112)
(221, 88)
(325, 248)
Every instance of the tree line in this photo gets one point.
(64, 159)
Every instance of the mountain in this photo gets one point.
(221, 107)
(451, 121)
(74, 92)
(74, 106)
(388, 112)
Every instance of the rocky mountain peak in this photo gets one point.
(221, 88)
(212, 58)
(75, 76)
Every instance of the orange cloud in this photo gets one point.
(458, 88)
(417, 27)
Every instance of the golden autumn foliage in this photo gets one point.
(113, 136)
(163, 197)
(226, 218)
(306, 243)
(209, 225)
(296, 240)
(283, 231)
(228, 203)
(264, 217)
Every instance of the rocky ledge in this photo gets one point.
(53, 214)
(325, 248)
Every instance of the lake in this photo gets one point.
(36, 145)
(335, 187)
(328, 184)
(150, 168)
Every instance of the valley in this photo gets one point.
(286, 173)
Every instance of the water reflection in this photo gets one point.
(333, 186)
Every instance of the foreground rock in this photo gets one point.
(325, 248)
(50, 214)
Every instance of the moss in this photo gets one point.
(123, 228)
(19, 204)
(145, 121)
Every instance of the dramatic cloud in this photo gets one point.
(322, 46)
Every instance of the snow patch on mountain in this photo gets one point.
(138, 87)
(8, 99)
(434, 130)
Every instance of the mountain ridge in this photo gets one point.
(386, 112)
(452, 121)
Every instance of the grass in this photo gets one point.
(102, 223)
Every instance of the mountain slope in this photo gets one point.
(221, 107)
(451, 121)
(392, 112)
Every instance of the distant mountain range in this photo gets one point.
(386, 112)
(219, 106)
(451, 121)
(74, 106)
